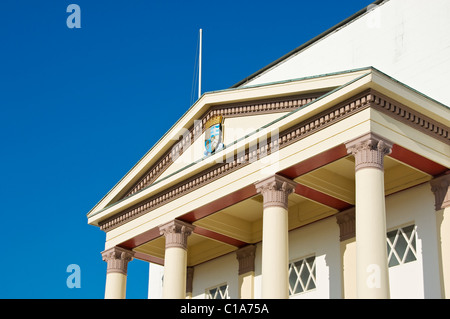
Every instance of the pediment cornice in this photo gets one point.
(249, 108)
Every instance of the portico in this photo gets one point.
(310, 150)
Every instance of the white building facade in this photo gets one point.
(323, 175)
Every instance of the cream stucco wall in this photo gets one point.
(215, 272)
(237, 127)
(320, 239)
(407, 39)
(420, 278)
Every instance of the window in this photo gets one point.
(217, 292)
(302, 275)
(401, 245)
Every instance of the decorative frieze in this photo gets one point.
(153, 173)
(172, 193)
(275, 191)
(246, 259)
(274, 105)
(409, 117)
(346, 222)
(369, 151)
(117, 259)
(440, 186)
(176, 233)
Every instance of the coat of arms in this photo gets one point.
(213, 135)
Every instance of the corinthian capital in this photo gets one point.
(275, 190)
(369, 151)
(440, 186)
(117, 259)
(246, 259)
(176, 233)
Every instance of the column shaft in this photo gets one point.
(175, 259)
(116, 276)
(116, 284)
(372, 275)
(275, 255)
(275, 250)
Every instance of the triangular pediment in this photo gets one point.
(238, 120)
(244, 110)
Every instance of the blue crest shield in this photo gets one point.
(213, 139)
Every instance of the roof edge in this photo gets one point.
(307, 44)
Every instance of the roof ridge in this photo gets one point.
(308, 43)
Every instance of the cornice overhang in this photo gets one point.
(357, 82)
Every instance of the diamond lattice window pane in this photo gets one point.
(409, 257)
(311, 264)
(302, 275)
(212, 293)
(218, 292)
(401, 245)
(223, 292)
(393, 261)
(293, 283)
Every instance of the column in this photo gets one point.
(246, 273)
(440, 186)
(372, 275)
(117, 259)
(346, 222)
(275, 254)
(175, 259)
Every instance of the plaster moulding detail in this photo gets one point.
(440, 186)
(117, 259)
(275, 191)
(369, 151)
(267, 106)
(346, 222)
(176, 233)
(246, 259)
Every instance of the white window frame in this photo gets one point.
(218, 292)
(298, 271)
(392, 253)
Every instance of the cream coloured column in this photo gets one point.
(175, 259)
(372, 275)
(116, 275)
(440, 186)
(275, 253)
(246, 272)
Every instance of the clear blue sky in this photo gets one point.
(79, 107)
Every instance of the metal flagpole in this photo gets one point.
(200, 67)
